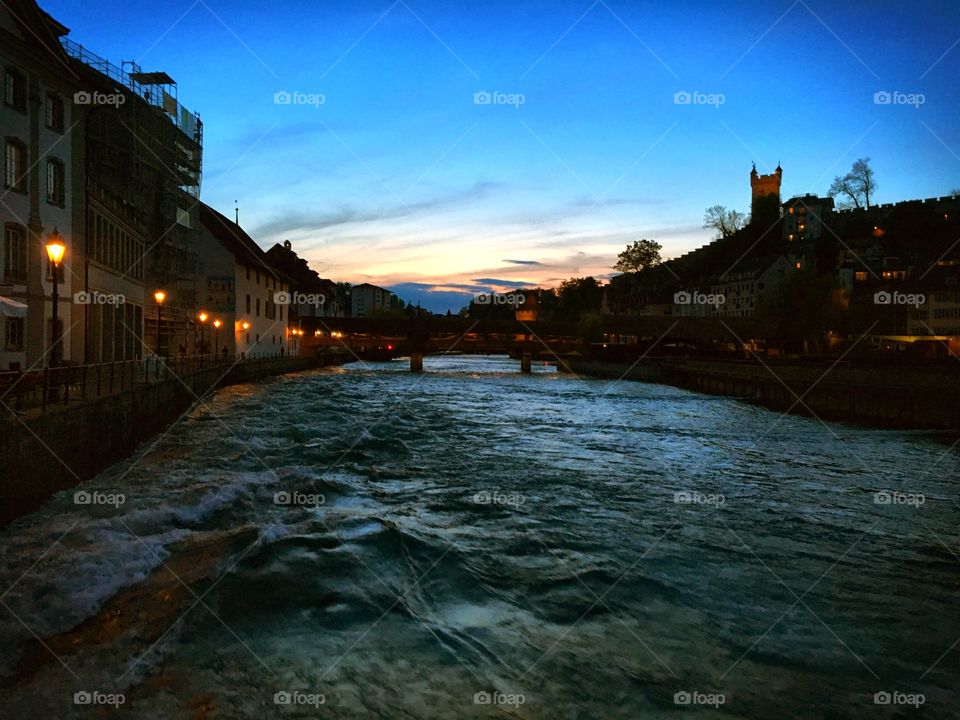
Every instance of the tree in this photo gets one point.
(726, 222)
(858, 186)
(577, 296)
(640, 256)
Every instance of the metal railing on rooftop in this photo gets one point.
(186, 121)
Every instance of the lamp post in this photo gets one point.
(159, 296)
(216, 342)
(55, 252)
(202, 317)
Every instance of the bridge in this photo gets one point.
(383, 338)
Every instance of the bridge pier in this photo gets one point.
(416, 362)
(526, 363)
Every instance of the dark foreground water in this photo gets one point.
(472, 542)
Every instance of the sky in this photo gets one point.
(447, 148)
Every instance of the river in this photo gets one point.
(363, 542)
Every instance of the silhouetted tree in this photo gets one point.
(577, 296)
(726, 222)
(640, 256)
(858, 186)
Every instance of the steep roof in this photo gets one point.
(40, 29)
(235, 239)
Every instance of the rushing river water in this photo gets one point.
(474, 543)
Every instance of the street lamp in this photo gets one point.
(216, 341)
(55, 252)
(159, 296)
(202, 317)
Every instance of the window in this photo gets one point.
(55, 181)
(53, 107)
(281, 313)
(15, 165)
(258, 307)
(860, 276)
(14, 334)
(14, 252)
(15, 89)
(258, 277)
(248, 277)
(248, 304)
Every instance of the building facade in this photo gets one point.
(37, 195)
(367, 299)
(744, 290)
(241, 291)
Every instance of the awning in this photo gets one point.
(11, 308)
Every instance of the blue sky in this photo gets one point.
(400, 178)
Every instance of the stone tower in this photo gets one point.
(765, 195)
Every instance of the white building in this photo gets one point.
(241, 293)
